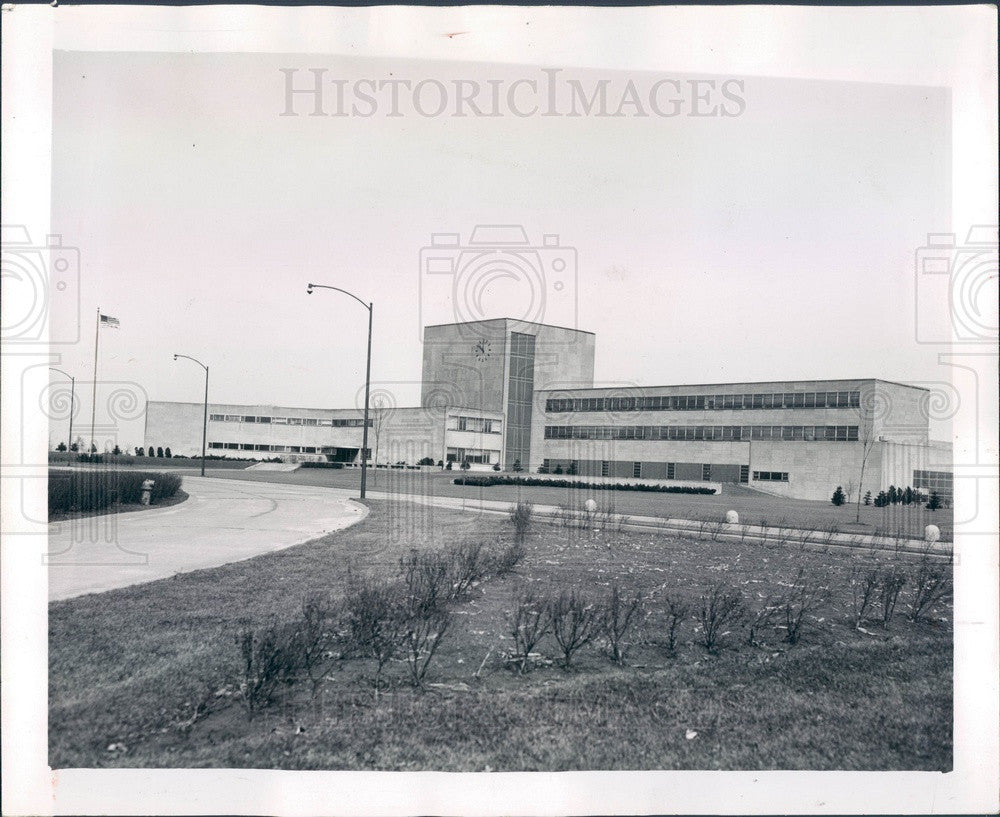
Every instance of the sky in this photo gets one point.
(774, 244)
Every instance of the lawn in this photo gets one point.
(753, 506)
(147, 676)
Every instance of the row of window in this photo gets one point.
(480, 425)
(694, 402)
(771, 476)
(283, 449)
(294, 449)
(340, 422)
(727, 433)
(472, 455)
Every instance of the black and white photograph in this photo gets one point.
(598, 405)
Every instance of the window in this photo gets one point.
(706, 472)
(605, 468)
(671, 468)
(637, 469)
(218, 418)
(769, 476)
(263, 419)
(744, 474)
(310, 421)
(294, 421)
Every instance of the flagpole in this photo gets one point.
(93, 402)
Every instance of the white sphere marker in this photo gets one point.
(732, 517)
(590, 506)
(932, 533)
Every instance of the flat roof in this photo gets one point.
(739, 383)
(508, 320)
(357, 411)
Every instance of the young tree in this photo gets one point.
(866, 439)
(893, 498)
(935, 501)
(465, 467)
(166, 452)
(116, 451)
(159, 451)
(868, 498)
(849, 491)
(379, 411)
(140, 451)
(838, 497)
(75, 446)
(61, 446)
(516, 466)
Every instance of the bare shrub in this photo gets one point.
(891, 583)
(932, 585)
(864, 581)
(424, 632)
(575, 622)
(507, 558)
(316, 637)
(805, 596)
(762, 615)
(721, 608)
(269, 657)
(426, 581)
(467, 567)
(376, 621)
(528, 624)
(677, 610)
(520, 518)
(621, 620)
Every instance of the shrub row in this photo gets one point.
(488, 480)
(380, 621)
(721, 615)
(322, 464)
(85, 491)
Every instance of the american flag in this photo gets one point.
(108, 321)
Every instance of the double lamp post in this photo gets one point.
(368, 374)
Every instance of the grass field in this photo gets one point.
(147, 676)
(753, 506)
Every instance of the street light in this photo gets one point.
(204, 424)
(368, 376)
(72, 402)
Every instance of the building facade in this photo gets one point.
(516, 394)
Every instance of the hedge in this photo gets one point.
(87, 491)
(486, 481)
(321, 464)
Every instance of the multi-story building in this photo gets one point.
(512, 394)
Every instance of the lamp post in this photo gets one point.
(72, 403)
(204, 422)
(368, 376)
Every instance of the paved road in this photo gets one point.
(222, 521)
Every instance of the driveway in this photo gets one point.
(222, 521)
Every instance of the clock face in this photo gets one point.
(482, 350)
